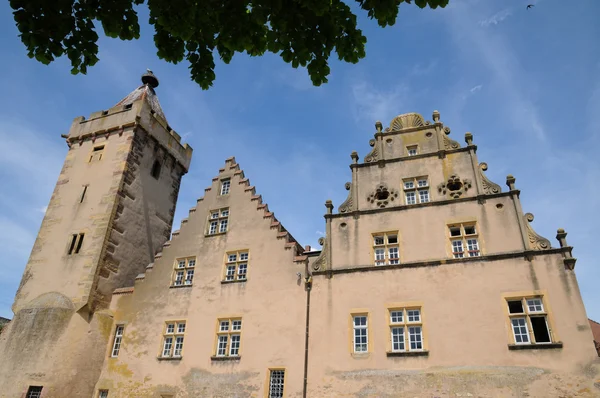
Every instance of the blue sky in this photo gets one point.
(526, 83)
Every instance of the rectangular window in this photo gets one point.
(173, 339)
(225, 186)
(406, 329)
(236, 265)
(183, 275)
(218, 221)
(360, 333)
(229, 335)
(75, 244)
(117, 341)
(385, 248)
(276, 383)
(96, 154)
(102, 393)
(464, 240)
(529, 320)
(34, 392)
(416, 190)
(412, 150)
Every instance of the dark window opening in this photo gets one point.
(454, 185)
(469, 230)
(104, 113)
(392, 239)
(83, 194)
(79, 243)
(540, 329)
(34, 392)
(128, 106)
(156, 169)
(454, 231)
(98, 148)
(73, 241)
(515, 307)
(382, 195)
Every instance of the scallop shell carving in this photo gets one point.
(407, 120)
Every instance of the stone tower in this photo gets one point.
(111, 211)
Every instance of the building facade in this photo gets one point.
(430, 281)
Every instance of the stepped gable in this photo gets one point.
(198, 219)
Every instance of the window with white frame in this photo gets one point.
(360, 333)
(416, 190)
(464, 240)
(406, 329)
(236, 265)
(34, 392)
(529, 320)
(385, 248)
(102, 393)
(173, 339)
(218, 221)
(412, 150)
(229, 335)
(225, 186)
(183, 275)
(276, 383)
(117, 340)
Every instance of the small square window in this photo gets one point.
(409, 184)
(455, 231)
(413, 315)
(469, 230)
(396, 316)
(378, 240)
(103, 394)
(392, 239)
(535, 305)
(515, 307)
(34, 392)
(412, 150)
(231, 258)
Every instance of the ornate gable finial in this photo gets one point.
(536, 242)
(436, 116)
(406, 121)
(488, 186)
(378, 126)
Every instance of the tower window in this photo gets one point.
(76, 243)
(225, 186)
(34, 392)
(96, 154)
(83, 192)
(276, 383)
(156, 169)
(117, 341)
(412, 150)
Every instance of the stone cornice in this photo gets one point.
(525, 254)
(438, 154)
(478, 198)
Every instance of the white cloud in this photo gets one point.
(496, 18)
(374, 104)
(42, 209)
(475, 88)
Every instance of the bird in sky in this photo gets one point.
(530, 6)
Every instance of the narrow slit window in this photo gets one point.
(96, 154)
(225, 186)
(83, 192)
(72, 245)
(79, 243)
(360, 331)
(156, 169)
(117, 342)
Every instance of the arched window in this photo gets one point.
(156, 169)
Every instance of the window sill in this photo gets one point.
(232, 358)
(407, 353)
(215, 234)
(169, 358)
(179, 286)
(236, 281)
(542, 346)
(360, 355)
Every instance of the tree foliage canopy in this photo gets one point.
(303, 32)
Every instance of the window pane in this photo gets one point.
(416, 338)
(398, 339)
(189, 277)
(424, 195)
(34, 392)
(457, 249)
(225, 213)
(410, 198)
(242, 269)
(230, 273)
(414, 315)
(520, 332)
(360, 321)
(276, 380)
(392, 239)
(236, 325)
(422, 183)
(535, 305)
(396, 316)
(181, 264)
(117, 342)
(235, 345)
(178, 346)
(454, 231)
(167, 347)
(378, 240)
(473, 247)
(222, 345)
(232, 258)
(243, 256)
(170, 328)
(224, 326)
(409, 184)
(191, 263)
(103, 394)
(469, 229)
(213, 228)
(181, 328)
(379, 256)
(223, 226)
(214, 214)
(225, 184)
(393, 255)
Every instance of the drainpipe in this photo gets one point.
(307, 285)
